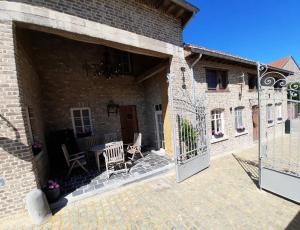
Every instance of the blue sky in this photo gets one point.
(263, 30)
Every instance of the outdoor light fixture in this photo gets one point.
(183, 77)
(112, 108)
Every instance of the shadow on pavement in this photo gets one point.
(250, 167)
(295, 223)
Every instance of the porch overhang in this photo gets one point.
(73, 27)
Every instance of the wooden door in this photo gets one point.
(255, 120)
(129, 122)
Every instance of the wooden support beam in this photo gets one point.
(179, 13)
(154, 70)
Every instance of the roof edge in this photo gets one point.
(230, 57)
(186, 5)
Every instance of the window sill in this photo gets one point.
(217, 91)
(241, 134)
(279, 121)
(252, 90)
(216, 140)
(270, 125)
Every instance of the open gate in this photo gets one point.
(189, 125)
(279, 136)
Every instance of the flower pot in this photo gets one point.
(52, 194)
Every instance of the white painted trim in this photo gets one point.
(157, 130)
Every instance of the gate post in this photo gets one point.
(260, 134)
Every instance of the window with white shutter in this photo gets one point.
(217, 123)
(239, 124)
(82, 124)
(270, 112)
(279, 111)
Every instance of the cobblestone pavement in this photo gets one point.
(225, 196)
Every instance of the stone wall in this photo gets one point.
(129, 15)
(15, 152)
(231, 99)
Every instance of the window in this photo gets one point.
(270, 114)
(252, 81)
(217, 123)
(239, 125)
(81, 118)
(216, 79)
(279, 111)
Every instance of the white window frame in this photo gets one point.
(214, 120)
(238, 117)
(73, 120)
(270, 114)
(278, 107)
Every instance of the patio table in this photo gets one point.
(98, 150)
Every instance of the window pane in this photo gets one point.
(77, 121)
(86, 121)
(76, 113)
(223, 80)
(252, 81)
(211, 79)
(85, 113)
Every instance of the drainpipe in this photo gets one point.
(192, 67)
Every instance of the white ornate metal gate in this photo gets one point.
(190, 140)
(279, 142)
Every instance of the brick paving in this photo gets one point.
(225, 196)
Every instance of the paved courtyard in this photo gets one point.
(225, 196)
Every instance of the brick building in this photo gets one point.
(35, 99)
(50, 52)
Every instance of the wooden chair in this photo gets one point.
(91, 142)
(136, 147)
(75, 160)
(114, 156)
(110, 137)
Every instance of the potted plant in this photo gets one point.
(218, 134)
(240, 129)
(36, 147)
(52, 191)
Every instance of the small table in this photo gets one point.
(98, 150)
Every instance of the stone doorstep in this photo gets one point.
(110, 186)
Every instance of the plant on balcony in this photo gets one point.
(240, 129)
(218, 134)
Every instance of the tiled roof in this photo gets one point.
(281, 62)
(220, 53)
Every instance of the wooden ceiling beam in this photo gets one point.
(153, 71)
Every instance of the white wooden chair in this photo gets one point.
(75, 160)
(136, 146)
(110, 137)
(114, 156)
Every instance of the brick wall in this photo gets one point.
(129, 15)
(65, 85)
(230, 100)
(15, 153)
